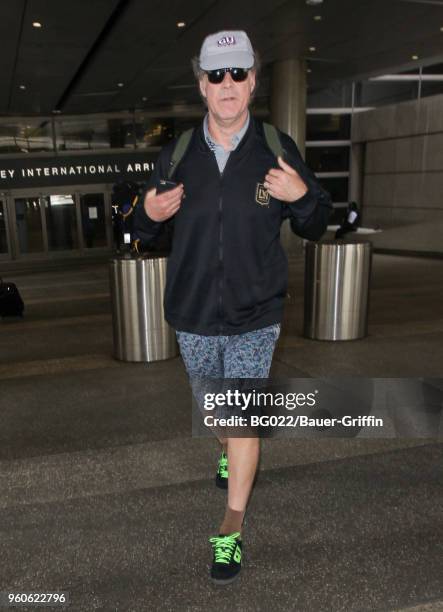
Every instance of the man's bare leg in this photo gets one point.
(243, 454)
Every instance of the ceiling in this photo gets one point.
(84, 48)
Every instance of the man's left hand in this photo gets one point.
(285, 183)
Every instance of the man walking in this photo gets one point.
(227, 271)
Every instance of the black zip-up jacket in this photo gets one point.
(227, 271)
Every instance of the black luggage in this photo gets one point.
(11, 303)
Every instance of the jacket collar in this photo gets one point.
(244, 145)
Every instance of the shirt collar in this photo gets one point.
(235, 138)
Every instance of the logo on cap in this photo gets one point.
(226, 40)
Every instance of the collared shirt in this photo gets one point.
(220, 154)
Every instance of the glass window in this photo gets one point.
(121, 133)
(432, 88)
(3, 239)
(61, 223)
(27, 136)
(29, 224)
(434, 69)
(151, 132)
(92, 207)
(337, 188)
(338, 95)
(83, 133)
(380, 93)
(328, 159)
(328, 127)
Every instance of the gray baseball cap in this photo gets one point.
(226, 49)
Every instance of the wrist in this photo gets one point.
(302, 194)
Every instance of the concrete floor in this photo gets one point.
(106, 495)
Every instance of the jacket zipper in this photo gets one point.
(220, 263)
(220, 251)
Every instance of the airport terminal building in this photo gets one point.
(356, 122)
(108, 488)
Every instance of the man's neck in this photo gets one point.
(223, 131)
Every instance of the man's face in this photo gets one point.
(228, 100)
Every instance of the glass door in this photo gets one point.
(62, 221)
(29, 225)
(93, 216)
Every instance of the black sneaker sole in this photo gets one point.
(222, 582)
(221, 483)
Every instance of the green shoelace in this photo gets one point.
(224, 546)
(223, 466)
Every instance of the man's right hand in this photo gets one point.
(164, 205)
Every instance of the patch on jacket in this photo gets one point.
(262, 196)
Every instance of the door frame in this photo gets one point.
(6, 256)
(76, 191)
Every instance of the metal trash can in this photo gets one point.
(337, 290)
(139, 327)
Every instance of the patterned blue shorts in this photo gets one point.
(247, 355)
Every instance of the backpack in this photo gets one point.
(124, 198)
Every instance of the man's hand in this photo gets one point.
(164, 205)
(284, 184)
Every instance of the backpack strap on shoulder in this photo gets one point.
(179, 150)
(273, 139)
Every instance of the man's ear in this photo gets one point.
(252, 81)
(202, 85)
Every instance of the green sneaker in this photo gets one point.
(221, 478)
(226, 563)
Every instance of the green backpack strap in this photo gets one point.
(273, 139)
(179, 150)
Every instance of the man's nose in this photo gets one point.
(228, 80)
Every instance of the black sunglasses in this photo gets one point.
(216, 76)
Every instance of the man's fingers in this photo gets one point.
(174, 208)
(177, 189)
(168, 197)
(286, 167)
(275, 172)
(275, 194)
(273, 181)
(169, 212)
(172, 201)
(174, 204)
(162, 206)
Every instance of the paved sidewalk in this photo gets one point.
(106, 495)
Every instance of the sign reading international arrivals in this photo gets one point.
(19, 173)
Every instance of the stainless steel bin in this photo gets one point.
(139, 327)
(337, 290)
